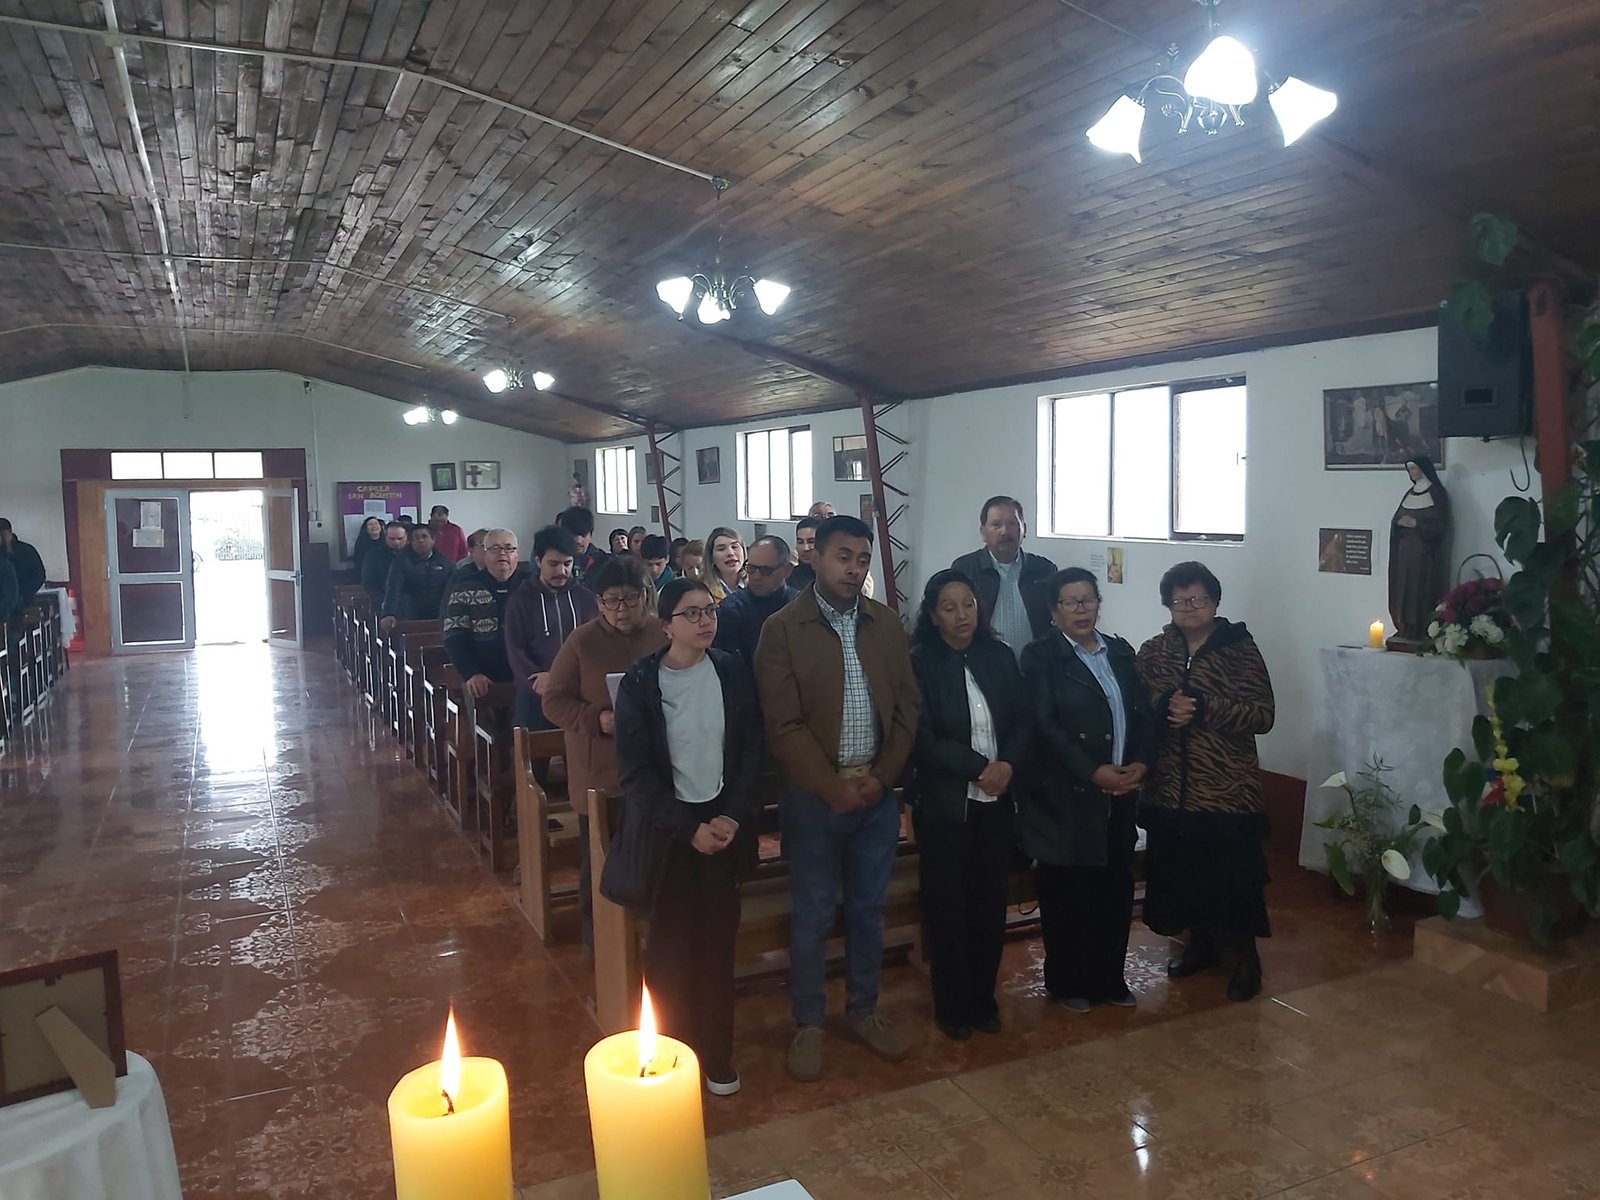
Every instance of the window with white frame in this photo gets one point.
(1163, 462)
(616, 480)
(775, 482)
(186, 464)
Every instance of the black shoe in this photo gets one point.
(1122, 999)
(1077, 1004)
(1245, 983)
(954, 1031)
(987, 1024)
(1199, 955)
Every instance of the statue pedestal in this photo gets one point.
(1478, 957)
(1409, 712)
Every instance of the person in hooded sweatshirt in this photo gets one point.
(375, 563)
(540, 617)
(418, 579)
(475, 612)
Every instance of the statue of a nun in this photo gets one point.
(1419, 551)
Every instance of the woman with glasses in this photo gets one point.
(971, 735)
(724, 569)
(1206, 867)
(1094, 742)
(578, 700)
(688, 750)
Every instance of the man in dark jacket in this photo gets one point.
(475, 612)
(805, 545)
(25, 561)
(375, 563)
(586, 556)
(766, 590)
(541, 616)
(417, 581)
(1013, 586)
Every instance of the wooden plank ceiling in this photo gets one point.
(915, 170)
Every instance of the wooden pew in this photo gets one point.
(7, 721)
(416, 723)
(461, 741)
(493, 780)
(436, 674)
(761, 946)
(547, 832)
(344, 620)
(396, 699)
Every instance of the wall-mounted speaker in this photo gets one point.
(1486, 384)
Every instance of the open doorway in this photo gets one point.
(230, 581)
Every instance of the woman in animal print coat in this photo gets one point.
(1206, 864)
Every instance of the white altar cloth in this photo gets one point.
(58, 1148)
(1409, 711)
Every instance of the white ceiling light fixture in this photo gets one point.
(497, 380)
(714, 294)
(449, 416)
(1212, 94)
(426, 414)
(514, 379)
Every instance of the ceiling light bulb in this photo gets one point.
(543, 381)
(770, 294)
(496, 380)
(1225, 73)
(449, 416)
(675, 293)
(416, 416)
(1298, 106)
(1118, 130)
(711, 310)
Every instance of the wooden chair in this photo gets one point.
(547, 831)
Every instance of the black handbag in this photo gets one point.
(636, 861)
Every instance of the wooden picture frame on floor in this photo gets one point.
(88, 990)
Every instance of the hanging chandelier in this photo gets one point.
(714, 293)
(424, 414)
(1211, 95)
(514, 379)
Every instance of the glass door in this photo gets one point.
(150, 569)
(281, 517)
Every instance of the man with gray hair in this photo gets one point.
(766, 590)
(475, 613)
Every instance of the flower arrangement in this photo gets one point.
(1471, 620)
(1364, 838)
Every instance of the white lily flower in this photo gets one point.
(1434, 819)
(1395, 863)
(1336, 780)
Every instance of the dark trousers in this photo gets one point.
(688, 956)
(1086, 914)
(963, 871)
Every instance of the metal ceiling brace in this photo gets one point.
(666, 463)
(893, 552)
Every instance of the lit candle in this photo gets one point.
(644, 1114)
(450, 1128)
(1375, 635)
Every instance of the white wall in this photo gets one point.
(348, 436)
(969, 446)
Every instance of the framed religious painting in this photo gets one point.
(480, 476)
(1381, 427)
(708, 464)
(443, 475)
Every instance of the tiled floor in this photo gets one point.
(294, 916)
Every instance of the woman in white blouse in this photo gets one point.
(971, 737)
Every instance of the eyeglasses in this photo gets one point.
(499, 550)
(1079, 605)
(697, 615)
(612, 603)
(754, 569)
(1190, 603)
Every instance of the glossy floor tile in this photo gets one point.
(295, 914)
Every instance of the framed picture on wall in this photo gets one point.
(708, 463)
(1378, 428)
(444, 476)
(480, 476)
(850, 457)
(649, 467)
(869, 512)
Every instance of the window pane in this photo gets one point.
(186, 464)
(800, 494)
(1080, 460)
(757, 477)
(1209, 473)
(630, 476)
(239, 464)
(778, 486)
(135, 464)
(1141, 484)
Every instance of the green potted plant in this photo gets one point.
(1363, 839)
(1523, 829)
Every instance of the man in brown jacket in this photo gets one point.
(840, 704)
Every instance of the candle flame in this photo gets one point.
(647, 1030)
(450, 1062)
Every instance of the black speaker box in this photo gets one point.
(1486, 385)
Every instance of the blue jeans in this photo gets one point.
(826, 850)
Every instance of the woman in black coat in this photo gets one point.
(971, 736)
(689, 749)
(1095, 740)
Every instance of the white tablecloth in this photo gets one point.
(1408, 711)
(58, 1148)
